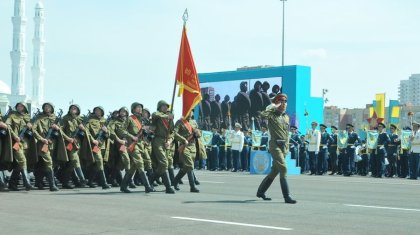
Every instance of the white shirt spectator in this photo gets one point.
(314, 138)
(237, 140)
(415, 143)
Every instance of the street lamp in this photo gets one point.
(282, 41)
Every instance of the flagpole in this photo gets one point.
(185, 19)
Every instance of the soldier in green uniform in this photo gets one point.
(42, 129)
(18, 123)
(114, 164)
(71, 125)
(278, 125)
(148, 161)
(186, 131)
(132, 131)
(162, 121)
(97, 135)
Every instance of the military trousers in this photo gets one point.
(279, 161)
(160, 154)
(136, 161)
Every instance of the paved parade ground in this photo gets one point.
(225, 205)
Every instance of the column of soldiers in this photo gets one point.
(319, 152)
(90, 150)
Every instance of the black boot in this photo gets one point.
(196, 180)
(81, 181)
(146, 183)
(136, 179)
(150, 177)
(13, 181)
(39, 177)
(102, 180)
(167, 183)
(124, 183)
(92, 176)
(171, 175)
(178, 177)
(3, 187)
(285, 191)
(51, 181)
(193, 189)
(131, 183)
(265, 184)
(66, 175)
(25, 179)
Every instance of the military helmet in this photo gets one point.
(24, 105)
(77, 106)
(134, 105)
(161, 103)
(101, 108)
(50, 104)
(123, 108)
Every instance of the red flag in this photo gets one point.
(187, 77)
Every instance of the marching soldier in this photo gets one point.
(314, 138)
(295, 142)
(47, 134)
(71, 127)
(19, 123)
(278, 125)
(113, 165)
(186, 132)
(333, 151)
(97, 147)
(134, 135)
(392, 152)
(348, 158)
(163, 122)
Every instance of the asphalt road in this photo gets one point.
(225, 205)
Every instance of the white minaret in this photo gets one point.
(18, 53)
(38, 70)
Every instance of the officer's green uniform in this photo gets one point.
(186, 130)
(17, 122)
(163, 134)
(45, 161)
(69, 126)
(93, 129)
(278, 125)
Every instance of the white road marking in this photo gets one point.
(212, 182)
(232, 223)
(384, 207)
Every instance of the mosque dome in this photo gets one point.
(4, 88)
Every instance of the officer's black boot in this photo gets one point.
(195, 179)
(124, 183)
(265, 184)
(13, 180)
(193, 189)
(285, 191)
(81, 178)
(167, 183)
(178, 177)
(51, 181)
(102, 180)
(150, 177)
(146, 183)
(25, 179)
(171, 175)
(3, 187)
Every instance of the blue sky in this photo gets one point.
(112, 53)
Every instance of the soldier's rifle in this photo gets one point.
(79, 132)
(26, 131)
(102, 135)
(52, 133)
